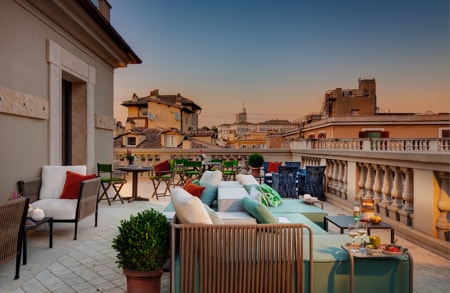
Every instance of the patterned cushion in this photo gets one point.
(271, 195)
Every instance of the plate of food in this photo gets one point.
(394, 249)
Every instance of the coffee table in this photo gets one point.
(342, 223)
(30, 224)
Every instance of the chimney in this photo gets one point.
(104, 7)
(154, 93)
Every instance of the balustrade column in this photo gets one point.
(386, 190)
(362, 180)
(397, 192)
(335, 177)
(338, 186)
(369, 182)
(408, 196)
(343, 190)
(331, 166)
(443, 204)
(377, 195)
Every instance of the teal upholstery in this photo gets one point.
(312, 212)
(209, 194)
(299, 218)
(258, 210)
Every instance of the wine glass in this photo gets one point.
(361, 228)
(353, 233)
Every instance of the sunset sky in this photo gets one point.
(280, 57)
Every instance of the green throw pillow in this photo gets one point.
(258, 210)
(271, 195)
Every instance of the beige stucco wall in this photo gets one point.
(24, 69)
(164, 116)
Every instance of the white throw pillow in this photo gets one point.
(213, 215)
(54, 178)
(211, 177)
(246, 179)
(189, 209)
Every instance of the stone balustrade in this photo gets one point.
(407, 179)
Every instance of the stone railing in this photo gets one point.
(408, 180)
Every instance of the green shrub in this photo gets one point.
(143, 242)
(256, 160)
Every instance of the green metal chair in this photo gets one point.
(230, 169)
(192, 170)
(110, 178)
(178, 169)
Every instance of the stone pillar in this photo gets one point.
(369, 182)
(330, 177)
(408, 196)
(443, 224)
(343, 190)
(386, 190)
(362, 180)
(377, 195)
(397, 193)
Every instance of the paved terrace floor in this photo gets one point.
(88, 264)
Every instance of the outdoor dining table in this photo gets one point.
(135, 170)
(210, 165)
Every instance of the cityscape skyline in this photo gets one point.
(279, 58)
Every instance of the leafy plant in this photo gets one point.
(143, 242)
(256, 160)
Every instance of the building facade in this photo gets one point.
(56, 86)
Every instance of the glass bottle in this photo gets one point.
(356, 209)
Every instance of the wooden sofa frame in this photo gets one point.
(87, 203)
(12, 223)
(240, 258)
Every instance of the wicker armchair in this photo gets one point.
(87, 203)
(12, 222)
(241, 258)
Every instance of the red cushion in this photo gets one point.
(163, 166)
(193, 189)
(273, 167)
(73, 183)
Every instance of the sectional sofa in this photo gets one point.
(319, 265)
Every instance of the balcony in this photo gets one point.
(407, 178)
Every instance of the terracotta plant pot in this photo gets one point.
(143, 282)
(256, 172)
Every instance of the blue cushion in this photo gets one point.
(258, 210)
(209, 194)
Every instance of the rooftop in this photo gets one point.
(88, 264)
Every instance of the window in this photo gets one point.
(444, 133)
(170, 141)
(374, 134)
(355, 112)
(322, 135)
(131, 140)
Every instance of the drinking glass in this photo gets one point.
(362, 231)
(353, 233)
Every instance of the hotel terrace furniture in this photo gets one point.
(12, 224)
(230, 169)
(330, 264)
(110, 178)
(161, 173)
(192, 170)
(45, 193)
(31, 224)
(314, 181)
(134, 187)
(177, 169)
(342, 223)
(285, 181)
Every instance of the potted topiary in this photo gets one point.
(256, 161)
(143, 246)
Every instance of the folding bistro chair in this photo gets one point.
(192, 170)
(110, 177)
(162, 173)
(229, 169)
(178, 169)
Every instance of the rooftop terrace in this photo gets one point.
(88, 264)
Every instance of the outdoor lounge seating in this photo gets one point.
(45, 193)
(285, 181)
(12, 222)
(330, 264)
